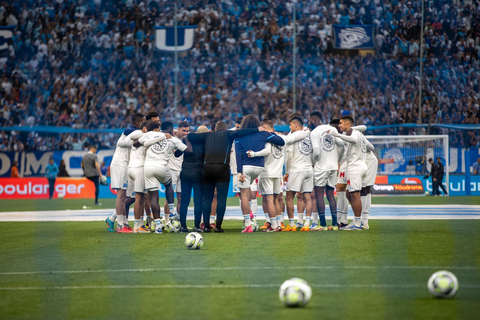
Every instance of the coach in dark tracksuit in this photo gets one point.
(216, 170)
(191, 177)
(438, 177)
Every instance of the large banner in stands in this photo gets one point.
(353, 37)
(414, 184)
(33, 163)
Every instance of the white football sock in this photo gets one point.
(120, 221)
(158, 223)
(253, 207)
(307, 222)
(300, 217)
(212, 219)
(113, 217)
(358, 221)
(315, 217)
(267, 217)
(273, 223)
(136, 224)
(247, 220)
(171, 207)
(283, 217)
(279, 220)
(291, 222)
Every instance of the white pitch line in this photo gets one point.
(234, 268)
(226, 286)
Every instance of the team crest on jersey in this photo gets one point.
(363, 145)
(328, 141)
(277, 151)
(305, 146)
(160, 146)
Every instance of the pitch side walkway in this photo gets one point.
(395, 212)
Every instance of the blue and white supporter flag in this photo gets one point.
(354, 37)
(165, 38)
(6, 33)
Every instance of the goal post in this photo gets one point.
(401, 157)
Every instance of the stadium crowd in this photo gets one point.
(91, 64)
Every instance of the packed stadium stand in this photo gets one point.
(91, 64)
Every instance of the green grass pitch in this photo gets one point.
(77, 204)
(376, 274)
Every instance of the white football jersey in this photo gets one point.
(121, 157)
(356, 152)
(326, 143)
(159, 153)
(369, 156)
(175, 163)
(274, 161)
(299, 153)
(233, 159)
(137, 156)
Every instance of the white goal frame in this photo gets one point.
(419, 138)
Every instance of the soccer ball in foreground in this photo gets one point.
(254, 225)
(194, 241)
(427, 193)
(295, 293)
(60, 196)
(443, 284)
(173, 226)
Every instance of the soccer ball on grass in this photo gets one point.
(194, 241)
(443, 284)
(295, 293)
(60, 196)
(173, 226)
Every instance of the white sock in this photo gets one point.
(340, 206)
(315, 217)
(113, 217)
(267, 217)
(120, 221)
(366, 210)
(282, 218)
(247, 220)
(345, 210)
(273, 223)
(279, 220)
(358, 221)
(253, 207)
(158, 223)
(125, 220)
(171, 207)
(291, 222)
(300, 217)
(307, 222)
(212, 219)
(136, 224)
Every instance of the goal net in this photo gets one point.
(403, 163)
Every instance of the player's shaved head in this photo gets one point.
(153, 115)
(334, 122)
(167, 127)
(202, 129)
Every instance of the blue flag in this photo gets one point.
(354, 37)
(165, 38)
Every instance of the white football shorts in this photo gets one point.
(176, 183)
(269, 186)
(136, 174)
(355, 180)
(250, 173)
(325, 178)
(300, 181)
(118, 177)
(155, 175)
(371, 173)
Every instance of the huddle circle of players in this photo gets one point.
(317, 158)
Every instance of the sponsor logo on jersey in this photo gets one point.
(328, 141)
(305, 146)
